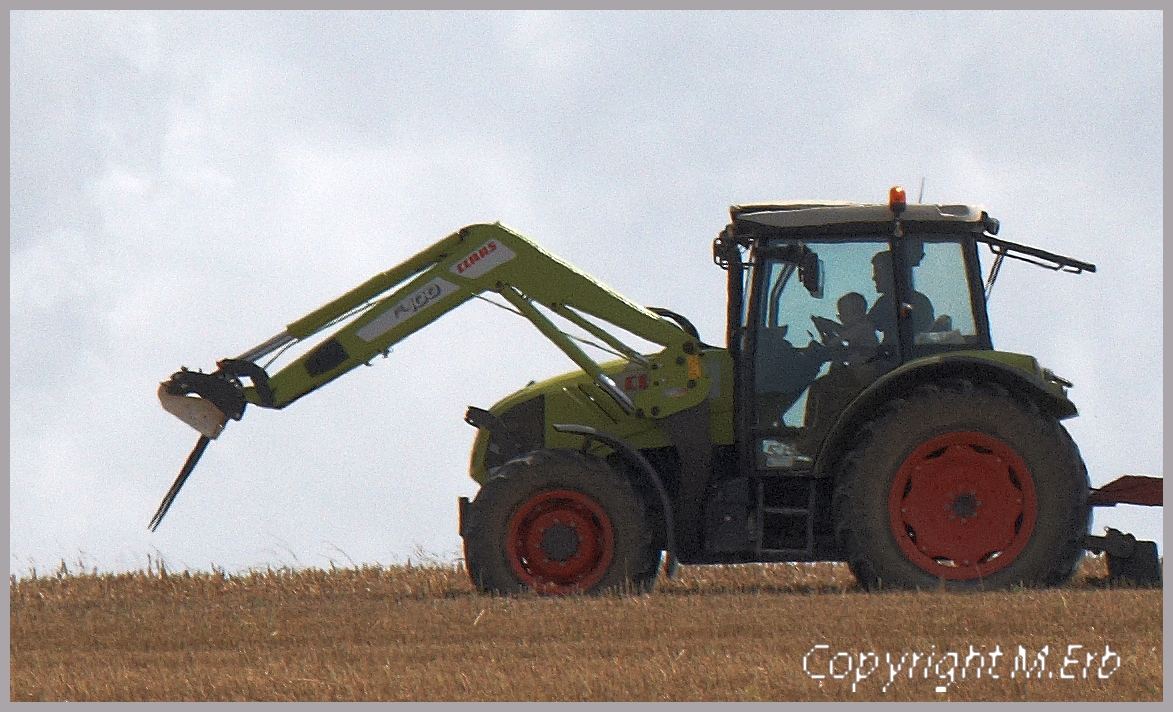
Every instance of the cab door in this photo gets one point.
(811, 351)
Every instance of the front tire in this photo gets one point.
(558, 522)
(965, 486)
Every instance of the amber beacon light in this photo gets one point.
(897, 200)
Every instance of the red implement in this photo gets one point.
(1129, 489)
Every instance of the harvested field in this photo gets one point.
(713, 633)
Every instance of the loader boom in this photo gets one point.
(392, 305)
(476, 259)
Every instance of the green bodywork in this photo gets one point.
(574, 398)
(1035, 375)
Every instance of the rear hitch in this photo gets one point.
(1130, 561)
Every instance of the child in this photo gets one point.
(858, 335)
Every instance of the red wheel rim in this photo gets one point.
(963, 505)
(560, 542)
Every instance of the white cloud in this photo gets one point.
(549, 45)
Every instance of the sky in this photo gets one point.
(183, 185)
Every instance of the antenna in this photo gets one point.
(921, 198)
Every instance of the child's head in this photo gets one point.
(852, 307)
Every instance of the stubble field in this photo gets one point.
(772, 632)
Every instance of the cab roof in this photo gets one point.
(809, 213)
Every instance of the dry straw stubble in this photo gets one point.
(421, 633)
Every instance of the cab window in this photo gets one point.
(939, 279)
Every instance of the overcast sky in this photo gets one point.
(184, 185)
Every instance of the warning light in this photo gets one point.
(896, 200)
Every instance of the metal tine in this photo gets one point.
(188, 466)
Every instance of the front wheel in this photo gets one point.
(558, 522)
(962, 485)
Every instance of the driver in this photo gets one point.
(829, 394)
(784, 371)
(883, 313)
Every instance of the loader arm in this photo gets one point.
(474, 260)
(394, 304)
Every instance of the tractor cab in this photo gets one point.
(833, 296)
(835, 310)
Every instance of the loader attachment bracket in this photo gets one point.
(199, 413)
(221, 391)
(206, 401)
(233, 368)
(222, 387)
(482, 419)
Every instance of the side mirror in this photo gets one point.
(811, 274)
(810, 267)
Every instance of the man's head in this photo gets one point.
(882, 271)
(915, 252)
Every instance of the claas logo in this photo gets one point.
(487, 249)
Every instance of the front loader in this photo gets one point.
(857, 413)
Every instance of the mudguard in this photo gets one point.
(1017, 373)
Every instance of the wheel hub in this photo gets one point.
(966, 505)
(962, 505)
(560, 542)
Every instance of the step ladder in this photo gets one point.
(806, 513)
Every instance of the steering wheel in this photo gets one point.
(828, 329)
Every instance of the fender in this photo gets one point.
(633, 456)
(1017, 373)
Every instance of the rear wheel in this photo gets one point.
(965, 486)
(558, 522)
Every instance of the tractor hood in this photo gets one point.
(530, 413)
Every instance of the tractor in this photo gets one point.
(857, 412)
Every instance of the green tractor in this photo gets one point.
(857, 413)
